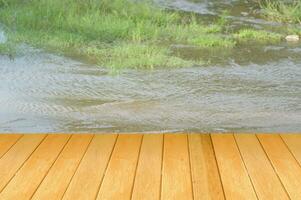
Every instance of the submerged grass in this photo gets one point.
(115, 33)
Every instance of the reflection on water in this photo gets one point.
(252, 89)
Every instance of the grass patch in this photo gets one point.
(213, 41)
(265, 37)
(136, 55)
(296, 30)
(7, 49)
(282, 11)
(114, 33)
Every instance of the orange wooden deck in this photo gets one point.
(150, 166)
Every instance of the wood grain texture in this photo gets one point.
(150, 166)
(87, 178)
(28, 178)
(205, 174)
(235, 178)
(119, 177)
(56, 182)
(293, 141)
(148, 177)
(262, 174)
(176, 176)
(284, 163)
(7, 141)
(16, 156)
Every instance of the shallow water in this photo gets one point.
(248, 89)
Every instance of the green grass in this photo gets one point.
(282, 11)
(114, 33)
(139, 56)
(259, 36)
(213, 41)
(296, 30)
(7, 49)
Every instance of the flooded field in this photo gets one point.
(249, 88)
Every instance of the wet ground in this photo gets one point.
(247, 89)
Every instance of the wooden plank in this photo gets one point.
(235, 179)
(176, 176)
(148, 176)
(262, 174)
(28, 178)
(16, 156)
(119, 177)
(284, 163)
(56, 182)
(293, 141)
(86, 181)
(205, 175)
(7, 141)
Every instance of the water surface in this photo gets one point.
(248, 89)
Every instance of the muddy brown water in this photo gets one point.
(248, 89)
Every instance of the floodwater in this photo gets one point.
(247, 89)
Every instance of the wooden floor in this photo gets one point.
(150, 166)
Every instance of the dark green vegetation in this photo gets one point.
(116, 33)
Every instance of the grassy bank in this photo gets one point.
(114, 33)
